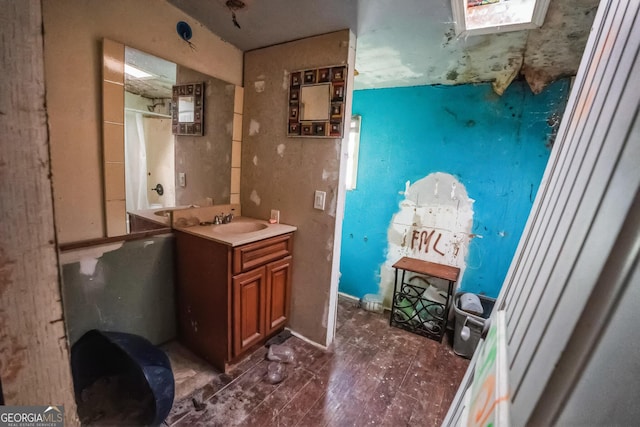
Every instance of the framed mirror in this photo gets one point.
(188, 106)
(316, 102)
(142, 155)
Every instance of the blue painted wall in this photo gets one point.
(497, 147)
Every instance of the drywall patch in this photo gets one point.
(326, 175)
(280, 149)
(285, 80)
(259, 86)
(333, 205)
(254, 127)
(325, 314)
(329, 248)
(208, 145)
(255, 198)
(255, 160)
(433, 224)
(229, 128)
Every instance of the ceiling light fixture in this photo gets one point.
(135, 72)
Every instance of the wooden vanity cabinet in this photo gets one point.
(231, 299)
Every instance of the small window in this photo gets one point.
(476, 17)
(352, 152)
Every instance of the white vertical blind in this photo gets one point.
(576, 224)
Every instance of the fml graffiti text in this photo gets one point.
(421, 241)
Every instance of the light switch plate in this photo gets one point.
(182, 179)
(318, 201)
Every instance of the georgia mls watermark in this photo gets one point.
(32, 416)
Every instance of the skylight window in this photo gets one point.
(476, 17)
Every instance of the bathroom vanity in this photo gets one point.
(233, 286)
(147, 219)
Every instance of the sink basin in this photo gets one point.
(240, 227)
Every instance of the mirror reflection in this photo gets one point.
(186, 106)
(149, 143)
(190, 170)
(187, 117)
(314, 102)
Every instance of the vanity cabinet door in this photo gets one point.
(249, 317)
(278, 293)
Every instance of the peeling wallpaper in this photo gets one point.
(494, 149)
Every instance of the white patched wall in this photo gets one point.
(433, 224)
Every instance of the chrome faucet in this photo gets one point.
(222, 219)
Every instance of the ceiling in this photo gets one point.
(411, 42)
(162, 75)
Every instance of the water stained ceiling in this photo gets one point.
(410, 42)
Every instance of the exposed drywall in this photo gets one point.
(126, 287)
(206, 159)
(495, 147)
(34, 355)
(433, 223)
(73, 31)
(282, 173)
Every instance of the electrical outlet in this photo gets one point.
(182, 179)
(275, 216)
(318, 201)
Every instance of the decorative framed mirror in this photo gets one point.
(316, 102)
(188, 106)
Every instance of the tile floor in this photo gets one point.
(375, 375)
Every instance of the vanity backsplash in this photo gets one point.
(194, 216)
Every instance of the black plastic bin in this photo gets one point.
(473, 322)
(121, 367)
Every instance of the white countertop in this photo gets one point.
(149, 214)
(220, 234)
